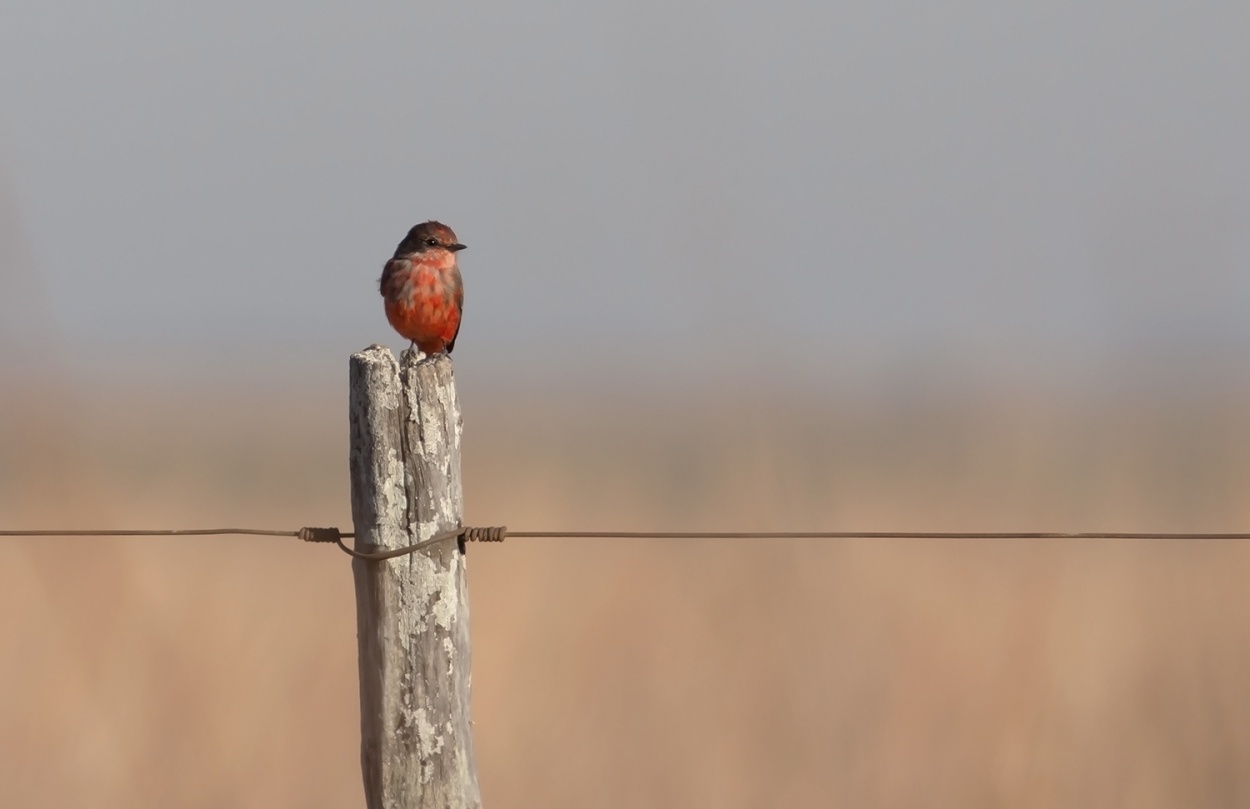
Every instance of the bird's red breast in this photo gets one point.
(424, 297)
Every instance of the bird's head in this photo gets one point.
(428, 236)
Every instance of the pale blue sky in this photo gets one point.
(644, 187)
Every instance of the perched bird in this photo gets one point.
(422, 288)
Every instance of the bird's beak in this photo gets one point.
(455, 248)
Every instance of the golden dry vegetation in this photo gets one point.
(221, 672)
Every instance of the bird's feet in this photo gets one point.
(412, 354)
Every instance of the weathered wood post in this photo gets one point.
(412, 612)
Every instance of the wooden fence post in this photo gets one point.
(412, 612)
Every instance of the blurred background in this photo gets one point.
(731, 266)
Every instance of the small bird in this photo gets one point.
(422, 288)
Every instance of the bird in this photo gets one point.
(422, 288)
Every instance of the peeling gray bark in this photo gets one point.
(412, 612)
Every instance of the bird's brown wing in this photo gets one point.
(386, 283)
(459, 308)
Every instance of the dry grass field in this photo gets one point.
(221, 672)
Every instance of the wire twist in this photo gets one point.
(495, 533)
(319, 534)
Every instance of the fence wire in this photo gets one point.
(500, 533)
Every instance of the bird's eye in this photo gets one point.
(431, 242)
